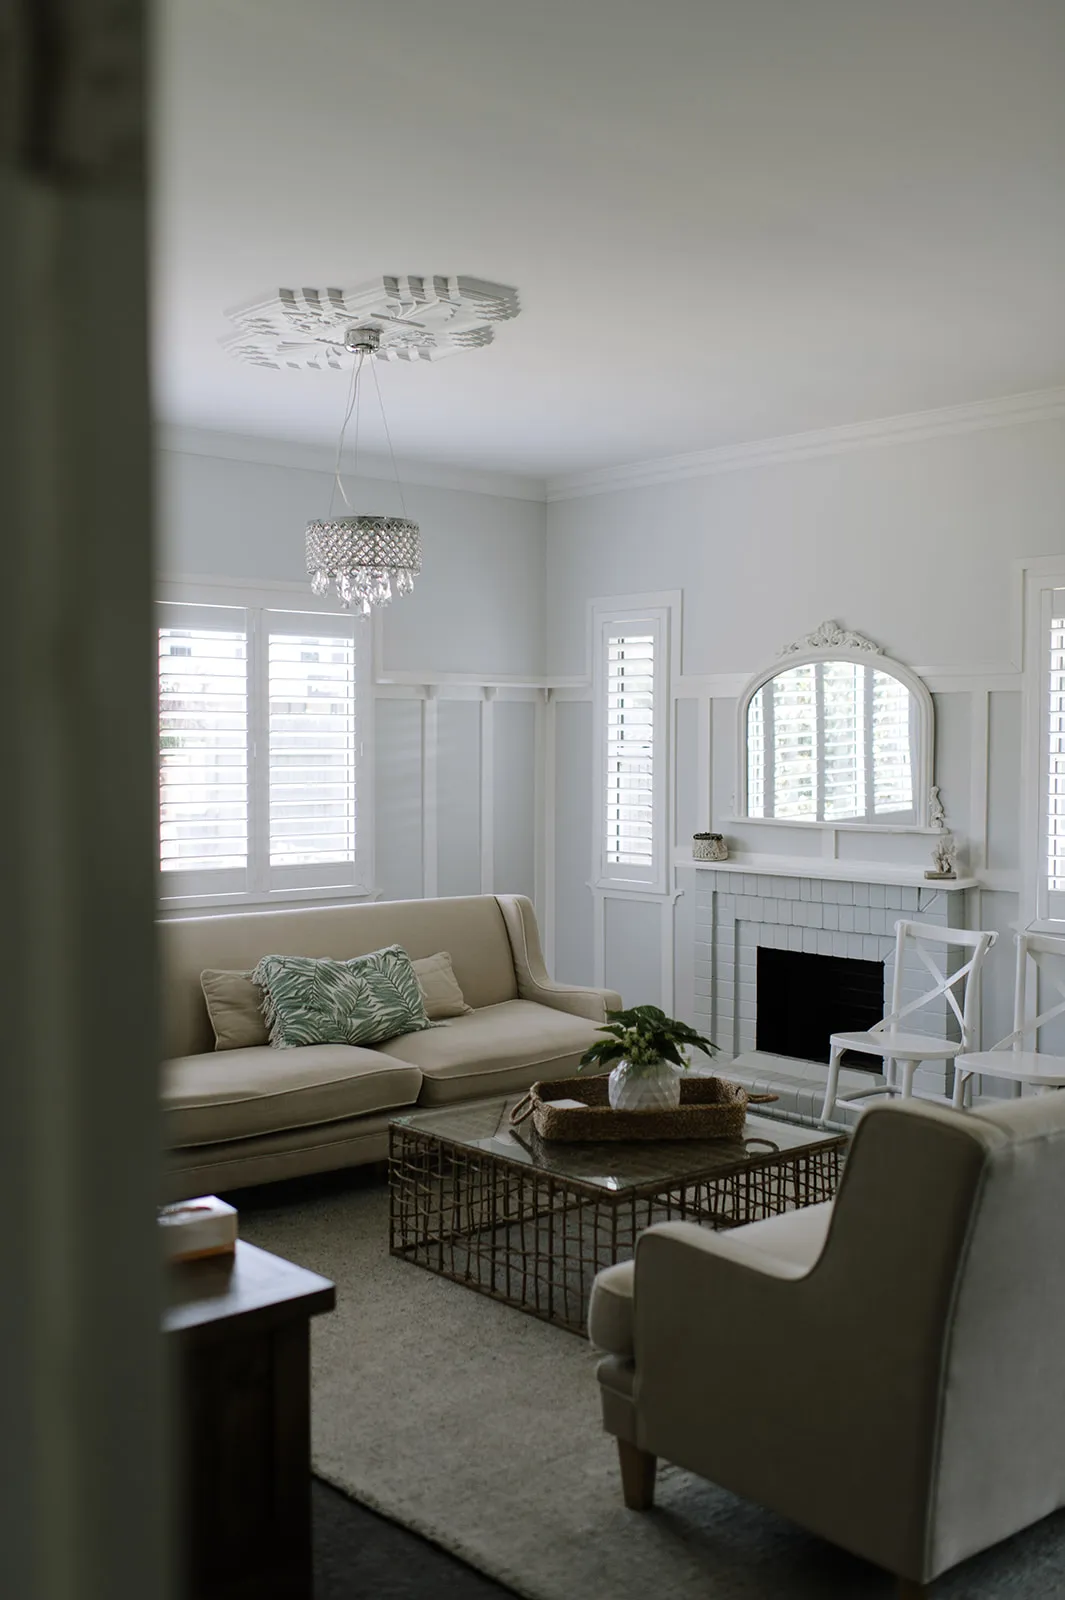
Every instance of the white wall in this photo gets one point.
(915, 544)
(455, 742)
(481, 784)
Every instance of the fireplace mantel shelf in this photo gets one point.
(823, 868)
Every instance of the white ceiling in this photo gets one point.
(728, 219)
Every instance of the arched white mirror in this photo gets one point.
(836, 733)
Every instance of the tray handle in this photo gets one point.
(524, 1108)
(761, 1099)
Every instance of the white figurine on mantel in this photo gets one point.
(937, 816)
(944, 858)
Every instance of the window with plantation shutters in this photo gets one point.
(1054, 743)
(259, 753)
(831, 741)
(631, 700)
(630, 716)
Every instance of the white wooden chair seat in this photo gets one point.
(901, 1046)
(1009, 1059)
(1025, 1066)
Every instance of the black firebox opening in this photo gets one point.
(803, 999)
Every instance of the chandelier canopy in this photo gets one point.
(369, 557)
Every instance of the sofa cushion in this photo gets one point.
(495, 1050)
(238, 1093)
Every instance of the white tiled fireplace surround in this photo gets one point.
(740, 908)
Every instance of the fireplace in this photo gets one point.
(803, 998)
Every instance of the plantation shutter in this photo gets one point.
(312, 747)
(203, 748)
(630, 750)
(1055, 756)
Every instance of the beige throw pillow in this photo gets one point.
(235, 1007)
(440, 988)
(234, 1003)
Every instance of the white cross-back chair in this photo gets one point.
(901, 1050)
(1009, 1058)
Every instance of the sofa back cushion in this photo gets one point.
(470, 928)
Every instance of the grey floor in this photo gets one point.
(359, 1555)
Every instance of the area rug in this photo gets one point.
(478, 1427)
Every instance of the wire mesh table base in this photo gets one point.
(536, 1240)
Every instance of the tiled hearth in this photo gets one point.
(738, 910)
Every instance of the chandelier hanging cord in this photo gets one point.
(391, 451)
(353, 401)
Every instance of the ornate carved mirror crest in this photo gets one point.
(836, 733)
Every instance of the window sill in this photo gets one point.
(284, 899)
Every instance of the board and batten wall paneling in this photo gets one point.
(514, 795)
(574, 923)
(631, 928)
(1004, 781)
(687, 749)
(458, 791)
(398, 808)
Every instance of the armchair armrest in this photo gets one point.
(533, 980)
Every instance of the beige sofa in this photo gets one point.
(884, 1370)
(251, 1115)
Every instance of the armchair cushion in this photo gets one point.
(610, 1311)
(795, 1237)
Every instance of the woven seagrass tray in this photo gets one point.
(710, 1108)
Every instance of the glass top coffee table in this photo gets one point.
(502, 1211)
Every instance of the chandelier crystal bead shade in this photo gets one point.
(370, 558)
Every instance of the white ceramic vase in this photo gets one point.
(644, 1088)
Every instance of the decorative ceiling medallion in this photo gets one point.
(830, 636)
(417, 319)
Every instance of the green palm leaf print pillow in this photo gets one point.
(315, 1000)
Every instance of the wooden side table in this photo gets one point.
(241, 1327)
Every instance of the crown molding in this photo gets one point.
(1007, 411)
(261, 450)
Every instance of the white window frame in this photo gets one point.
(350, 880)
(1041, 578)
(651, 614)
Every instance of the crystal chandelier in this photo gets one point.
(369, 557)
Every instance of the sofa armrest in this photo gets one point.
(533, 981)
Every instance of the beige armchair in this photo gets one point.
(885, 1370)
